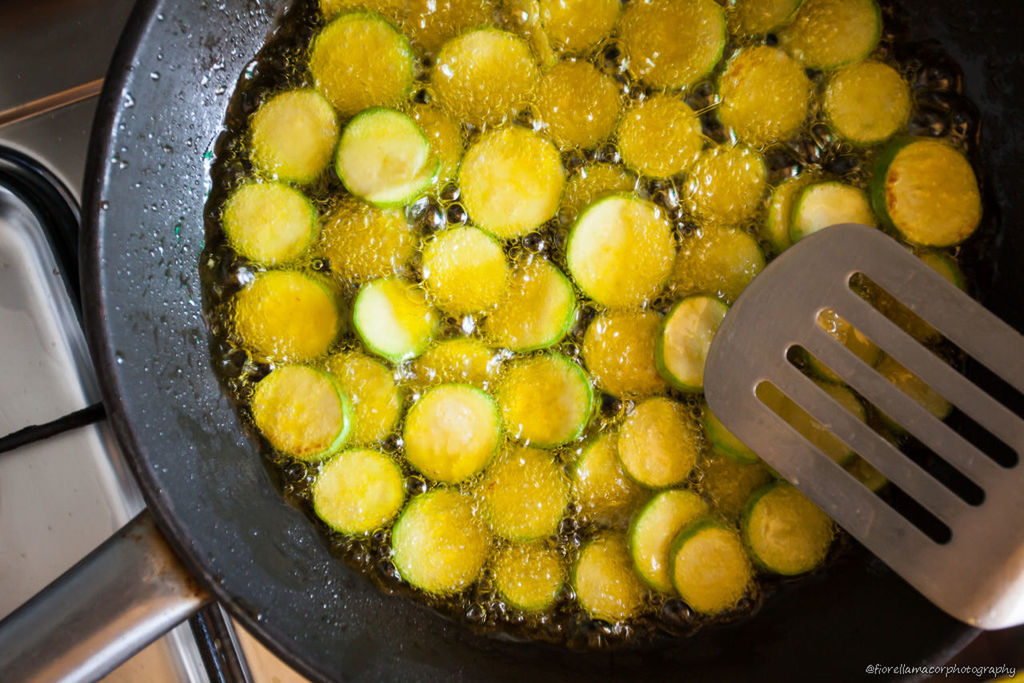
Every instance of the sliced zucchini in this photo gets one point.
(602, 491)
(438, 543)
(780, 211)
(594, 181)
(284, 315)
(822, 205)
(537, 310)
(618, 349)
(716, 261)
(546, 400)
(927, 191)
(726, 185)
(827, 34)
(682, 348)
(865, 473)
(302, 412)
(945, 266)
(621, 250)
(604, 581)
(577, 104)
(710, 569)
(269, 222)
(376, 399)
(359, 491)
(511, 182)
(362, 242)
(867, 102)
(660, 137)
(752, 17)
(484, 77)
(465, 270)
(727, 483)
(659, 443)
(654, 528)
(393, 319)
(429, 23)
(293, 135)
(576, 25)
(765, 95)
(528, 576)
(848, 336)
(672, 43)
(461, 361)
(914, 387)
(523, 494)
(384, 158)
(360, 61)
(452, 432)
(444, 135)
(812, 430)
(786, 532)
(724, 441)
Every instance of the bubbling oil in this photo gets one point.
(940, 110)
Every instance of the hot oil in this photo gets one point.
(940, 110)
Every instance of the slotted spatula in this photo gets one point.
(978, 575)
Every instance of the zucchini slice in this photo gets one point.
(546, 400)
(444, 135)
(393, 319)
(269, 223)
(848, 336)
(576, 25)
(618, 349)
(865, 473)
(716, 261)
(914, 387)
(927, 191)
(827, 34)
(727, 184)
(384, 158)
(823, 205)
(654, 528)
(945, 266)
(293, 135)
(621, 251)
(807, 426)
(456, 361)
(376, 399)
(765, 95)
(780, 211)
(360, 61)
(577, 104)
(672, 43)
(511, 181)
(728, 483)
(751, 17)
(602, 491)
(528, 576)
(682, 348)
(594, 181)
(867, 102)
(660, 137)
(430, 23)
(709, 567)
(659, 443)
(452, 432)
(606, 586)
(439, 545)
(302, 412)
(537, 310)
(523, 494)
(362, 242)
(465, 270)
(285, 315)
(786, 532)
(484, 77)
(724, 441)
(358, 491)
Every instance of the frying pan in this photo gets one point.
(216, 502)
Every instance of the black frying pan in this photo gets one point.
(168, 90)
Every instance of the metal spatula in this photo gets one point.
(978, 575)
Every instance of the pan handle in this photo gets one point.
(118, 599)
